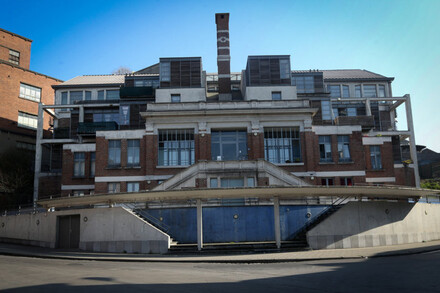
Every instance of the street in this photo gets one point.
(413, 273)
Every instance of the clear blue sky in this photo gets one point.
(400, 39)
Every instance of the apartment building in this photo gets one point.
(265, 150)
(127, 133)
(21, 89)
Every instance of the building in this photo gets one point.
(21, 90)
(228, 140)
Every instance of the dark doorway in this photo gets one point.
(68, 231)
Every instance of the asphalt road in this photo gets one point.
(413, 273)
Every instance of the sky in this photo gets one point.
(399, 39)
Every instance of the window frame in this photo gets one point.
(376, 157)
(116, 187)
(134, 184)
(225, 138)
(322, 141)
(14, 56)
(276, 96)
(174, 151)
(176, 98)
(278, 140)
(79, 164)
(31, 88)
(133, 152)
(23, 116)
(114, 153)
(344, 140)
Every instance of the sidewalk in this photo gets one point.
(381, 251)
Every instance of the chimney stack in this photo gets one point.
(223, 57)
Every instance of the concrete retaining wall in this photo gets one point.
(105, 230)
(368, 224)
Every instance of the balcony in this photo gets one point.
(127, 92)
(61, 132)
(366, 122)
(92, 127)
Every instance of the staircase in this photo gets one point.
(301, 235)
(144, 215)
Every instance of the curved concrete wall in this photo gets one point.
(368, 224)
(106, 230)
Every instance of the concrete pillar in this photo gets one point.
(81, 114)
(412, 139)
(367, 107)
(276, 214)
(199, 225)
(38, 152)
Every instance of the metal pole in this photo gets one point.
(199, 225)
(412, 139)
(277, 227)
(38, 152)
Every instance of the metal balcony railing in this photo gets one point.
(92, 127)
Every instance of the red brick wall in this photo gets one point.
(11, 41)
(405, 176)
(387, 170)
(67, 173)
(10, 79)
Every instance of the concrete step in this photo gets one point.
(239, 247)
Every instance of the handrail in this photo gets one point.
(149, 218)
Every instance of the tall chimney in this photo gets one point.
(223, 57)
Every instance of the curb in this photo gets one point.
(230, 261)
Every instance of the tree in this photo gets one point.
(122, 70)
(16, 178)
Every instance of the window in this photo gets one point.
(165, 73)
(213, 182)
(88, 95)
(282, 145)
(114, 153)
(284, 68)
(112, 95)
(346, 181)
(228, 145)
(335, 91)
(78, 193)
(345, 91)
(14, 57)
(79, 163)
(133, 146)
(146, 83)
(344, 148)
(231, 182)
(304, 84)
(376, 157)
(175, 98)
(370, 91)
(351, 112)
(101, 96)
(276, 96)
(30, 92)
(357, 91)
(176, 147)
(76, 96)
(27, 120)
(92, 164)
(327, 181)
(250, 182)
(64, 98)
(114, 187)
(325, 148)
(326, 110)
(132, 186)
(382, 93)
(106, 116)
